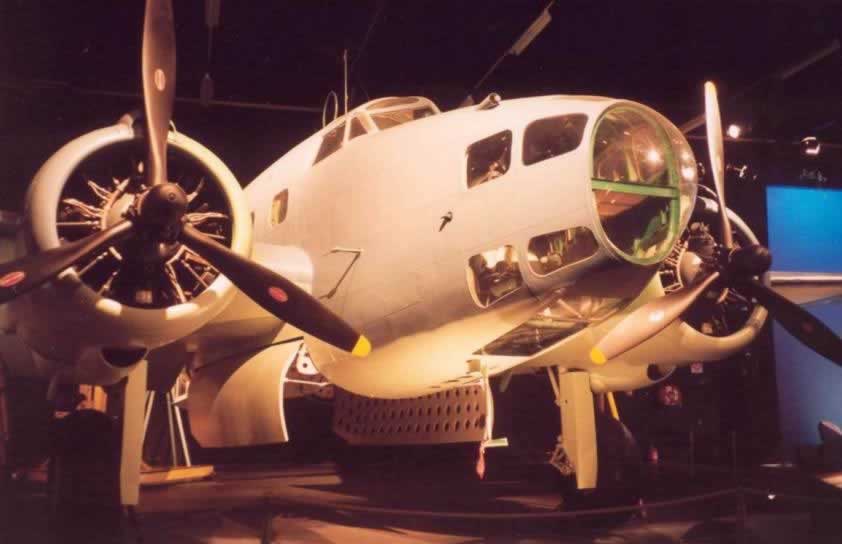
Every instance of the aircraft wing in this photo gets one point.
(804, 287)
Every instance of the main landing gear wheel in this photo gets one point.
(84, 476)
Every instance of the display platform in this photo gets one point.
(149, 476)
(313, 503)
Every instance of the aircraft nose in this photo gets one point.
(643, 182)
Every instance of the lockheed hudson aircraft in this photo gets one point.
(512, 236)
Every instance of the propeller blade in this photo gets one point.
(277, 295)
(647, 321)
(717, 158)
(158, 67)
(799, 322)
(22, 275)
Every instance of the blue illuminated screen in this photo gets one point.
(805, 228)
(805, 235)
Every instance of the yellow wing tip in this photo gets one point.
(597, 357)
(362, 347)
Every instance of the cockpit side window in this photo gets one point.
(489, 158)
(357, 128)
(331, 142)
(553, 136)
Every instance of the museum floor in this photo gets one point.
(313, 504)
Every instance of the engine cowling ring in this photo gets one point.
(700, 238)
(681, 343)
(67, 316)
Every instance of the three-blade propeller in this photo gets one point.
(735, 267)
(157, 216)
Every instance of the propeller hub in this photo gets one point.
(749, 261)
(162, 209)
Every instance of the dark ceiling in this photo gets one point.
(285, 52)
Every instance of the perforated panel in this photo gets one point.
(455, 415)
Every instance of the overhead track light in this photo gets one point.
(810, 146)
(734, 131)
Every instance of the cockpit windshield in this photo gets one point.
(389, 119)
(374, 116)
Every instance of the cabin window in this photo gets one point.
(331, 142)
(493, 274)
(549, 252)
(551, 137)
(489, 158)
(280, 205)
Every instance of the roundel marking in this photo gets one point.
(160, 79)
(12, 278)
(278, 294)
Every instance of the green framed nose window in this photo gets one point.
(636, 184)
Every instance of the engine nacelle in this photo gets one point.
(711, 330)
(110, 310)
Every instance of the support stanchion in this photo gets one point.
(734, 453)
(693, 454)
(742, 514)
(5, 463)
(268, 535)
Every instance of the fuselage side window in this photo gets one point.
(549, 252)
(280, 204)
(493, 274)
(551, 137)
(489, 158)
(331, 142)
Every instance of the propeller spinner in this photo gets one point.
(734, 267)
(157, 216)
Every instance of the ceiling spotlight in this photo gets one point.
(810, 146)
(734, 131)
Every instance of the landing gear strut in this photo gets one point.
(596, 447)
(94, 469)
